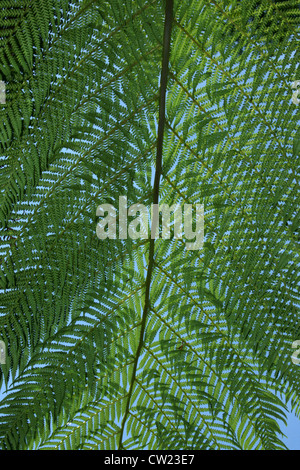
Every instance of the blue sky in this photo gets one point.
(292, 431)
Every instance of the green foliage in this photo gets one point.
(78, 129)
